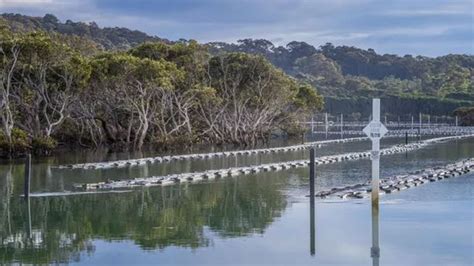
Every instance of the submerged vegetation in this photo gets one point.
(57, 89)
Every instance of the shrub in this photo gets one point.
(44, 145)
(466, 115)
(20, 143)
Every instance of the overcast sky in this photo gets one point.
(420, 27)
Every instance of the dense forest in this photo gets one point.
(342, 74)
(57, 89)
(74, 82)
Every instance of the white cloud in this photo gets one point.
(20, 3)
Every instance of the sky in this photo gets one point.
(417, 27)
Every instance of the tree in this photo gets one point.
(132, 93)
(52, 76)
(254, 98)
(9, 51)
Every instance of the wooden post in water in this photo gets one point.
(28, 209)
(311, 172)
(27, 176)
(312, 244)
(312, 230)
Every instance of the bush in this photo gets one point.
(19, 146)
(466, 115)
(44, 145)
(293, 129)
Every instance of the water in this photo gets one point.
(252, 219)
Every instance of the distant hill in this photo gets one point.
(348, 76)
(108, 38)
(345, 75)
(343, 70)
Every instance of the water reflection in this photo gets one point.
(312, 230)
(375, 249)
(62, 229)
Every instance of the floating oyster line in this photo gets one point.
(234, 171)
(399, 182)
(159, 159)
(413, 132)
(74, 193)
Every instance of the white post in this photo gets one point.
(456, 129)
(312, 124)
(327, 126)
(342, 126)
(412, 120)
(375, 130)
(419, 124)
(419, 128)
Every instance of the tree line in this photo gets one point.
(58, 89)
(339, 71)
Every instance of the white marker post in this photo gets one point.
(342, 126)
(327, 126)
(375, 130)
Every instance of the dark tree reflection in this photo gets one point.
(63, 228)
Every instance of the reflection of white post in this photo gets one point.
(429, 121)
(412, 120)
(375, 130)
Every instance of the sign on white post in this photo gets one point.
(375, 130)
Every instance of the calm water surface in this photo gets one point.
(253, 219)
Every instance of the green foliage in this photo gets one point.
(308, 99)
(43, 144)
(122, 67)
(466, 115)
(108, 38)
(20, 143)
